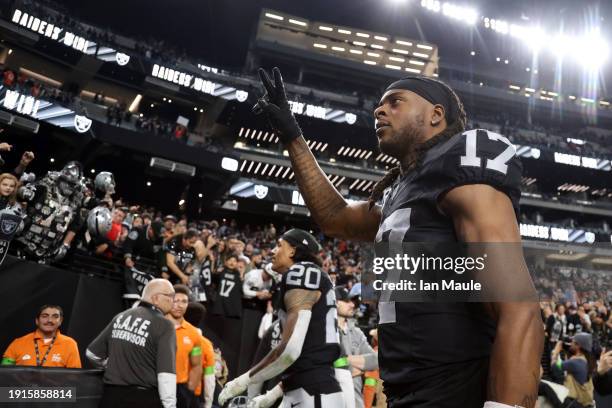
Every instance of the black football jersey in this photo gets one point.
(321, 345)
(183, 256)
(229, 294)
(421, 340)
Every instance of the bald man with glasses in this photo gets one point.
(138, 352)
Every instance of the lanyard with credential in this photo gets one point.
(38, 362)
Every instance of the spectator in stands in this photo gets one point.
(143, 242)
(578, 368)
(138, 351)
(46, 346)
(118, 217)
(577, 320)
(361, 357)
(179, 255)
(24, 162)
(256, 260)
(169, 224)
(108, 245)
(8, 78)
(602, 380)
(188, 350)
(556, 325)
(8, 190)
(256, 288)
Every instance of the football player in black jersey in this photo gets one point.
(310, 341)
(451, 185)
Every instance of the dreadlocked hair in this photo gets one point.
(457, 126)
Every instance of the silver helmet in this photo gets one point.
(99, 221)
(72, 172)
(105, 182)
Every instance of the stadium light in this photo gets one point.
(275, 16)
(433, 5)
(406, 43)
(561, 44)
(592, 51)
(464, 14)
(298, 22)
(134, 105)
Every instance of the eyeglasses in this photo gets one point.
(170, 295)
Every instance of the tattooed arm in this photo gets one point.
(482, 214)
(299, 304)
(330, 211)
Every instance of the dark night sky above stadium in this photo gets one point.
(217, 32)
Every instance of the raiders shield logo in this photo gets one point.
(9, 226)
(241, 96)
(82, 123)
(261, 191)
(122, 59)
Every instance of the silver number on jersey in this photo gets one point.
(499, 163)
(398, 223)
(311, 280)
(331, 318)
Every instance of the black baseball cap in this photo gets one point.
(299, 238)
(342, 293)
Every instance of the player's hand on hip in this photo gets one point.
(275, 106)
(234, 388)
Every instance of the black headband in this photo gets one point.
(433, 91)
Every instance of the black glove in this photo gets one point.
(275, 106)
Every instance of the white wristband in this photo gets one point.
(493, 404)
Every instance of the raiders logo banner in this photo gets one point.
(9, 225)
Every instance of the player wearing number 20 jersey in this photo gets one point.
(309, 342)
(321, 346)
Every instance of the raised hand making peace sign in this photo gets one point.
(275, 106)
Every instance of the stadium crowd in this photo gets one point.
(225, 267)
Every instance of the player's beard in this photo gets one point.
(404, 141)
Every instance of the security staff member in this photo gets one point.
(188, 350)
(138, 350)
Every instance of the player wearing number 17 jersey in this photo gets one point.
(451, 185)
(310, 342)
